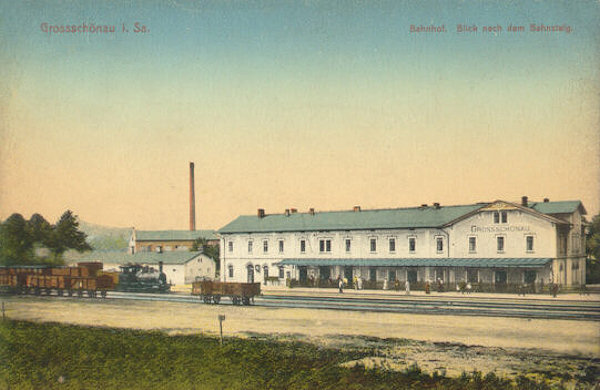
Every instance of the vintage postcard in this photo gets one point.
(256, 194)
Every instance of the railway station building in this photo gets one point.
(494, 246)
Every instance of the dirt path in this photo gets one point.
(578, 338)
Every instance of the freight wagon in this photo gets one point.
(47, 280)
(212, 291)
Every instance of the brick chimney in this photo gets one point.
(356, 209)
(524, 201)
(260, 213)
(192, 199)
(311, 211)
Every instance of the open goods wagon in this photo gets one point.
(212, 291)
(45, 280)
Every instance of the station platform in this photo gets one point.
(350, 292)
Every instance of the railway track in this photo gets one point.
(471, 306)
(538, 309)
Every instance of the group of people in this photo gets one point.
(463, 287)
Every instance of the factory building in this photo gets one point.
(492, 245)
(168, 240)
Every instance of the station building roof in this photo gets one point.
(561, 207)
(399, 218)
(418, 217)
(424, 262)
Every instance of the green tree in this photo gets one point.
(212, 251)
(66, 235)
(593, 251)
(41, 229)
(16, 241)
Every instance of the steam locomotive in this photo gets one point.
(138, 278)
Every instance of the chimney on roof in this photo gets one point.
(311, 211)
(287, 212)
(192, 199)
(261, 213)
(546, 200)
(293, 211)
(524, 201)
(356, 209)
(436, 205)
(424, 205)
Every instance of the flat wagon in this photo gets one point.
(212, 291)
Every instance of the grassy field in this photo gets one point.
(54, 356)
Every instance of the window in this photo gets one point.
(372, 274)
(250, 246)
(472, 244)
(439, 244)
(392, 245)
(412, 244)
(348, 245)
(529, 277)
(280, 246)
(373, 245)
(230, 268)
(324, 245)
(529, 240)
(496, 217)
(504, 217)
(302, 246)
(265, 246)
(391, 276)
(281, 273)
(500, 244)
(230, 245)
(472, 275)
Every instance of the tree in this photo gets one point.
(41, 229)
(212, 251)
(16, 241)
(66, 235)
(593, 251)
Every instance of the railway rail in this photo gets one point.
(533, 309)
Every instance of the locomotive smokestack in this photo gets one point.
(192, 199)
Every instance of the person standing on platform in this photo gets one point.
(340, 285)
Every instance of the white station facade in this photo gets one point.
(492, 245)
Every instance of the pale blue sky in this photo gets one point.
(294, 104)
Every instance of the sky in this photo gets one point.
(281, 104)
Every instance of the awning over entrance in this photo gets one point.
(436, 262)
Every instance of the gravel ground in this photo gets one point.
(447, 344)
